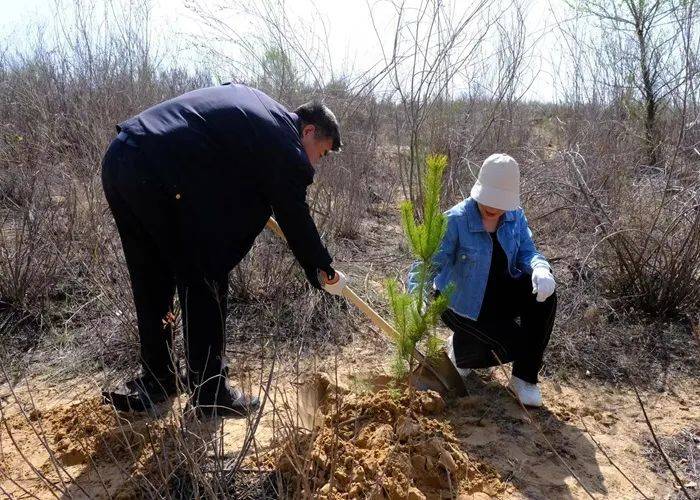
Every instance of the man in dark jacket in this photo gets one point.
(191, 182)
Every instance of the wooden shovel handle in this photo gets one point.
(349, 294)
(275, 228)
(389, 331)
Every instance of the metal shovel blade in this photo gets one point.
(312, 393)
(440, 376)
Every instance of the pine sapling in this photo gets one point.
(416, 313)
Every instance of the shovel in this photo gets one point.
(438, 374)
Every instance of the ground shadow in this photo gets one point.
(493, 430)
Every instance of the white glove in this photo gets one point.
(543, 283)
(334, 286)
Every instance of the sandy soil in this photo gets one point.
(61, 439)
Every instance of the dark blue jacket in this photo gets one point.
(229, 156)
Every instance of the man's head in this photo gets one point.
(318, 129)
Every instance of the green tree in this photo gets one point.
(416, 313)
(278, 76)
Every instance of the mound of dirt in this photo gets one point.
(90, 433)
(88, 430)
(87, 436)
(379, 445)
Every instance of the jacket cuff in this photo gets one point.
(312, 275)
(541, 263)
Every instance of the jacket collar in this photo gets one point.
(474, 217)
(297, 122)
(299, 147)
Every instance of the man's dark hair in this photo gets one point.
(317, 114)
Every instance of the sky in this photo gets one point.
(353, 43)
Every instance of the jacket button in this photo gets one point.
(464, 257)
(177, 196)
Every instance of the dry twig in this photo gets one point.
(602, 450)
(658, 445)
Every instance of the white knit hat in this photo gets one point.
(498, 185)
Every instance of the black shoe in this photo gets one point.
(141, 394)
(228, 402)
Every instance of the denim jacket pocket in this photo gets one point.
(466, 259)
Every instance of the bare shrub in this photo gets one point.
(648, 250)
(60, 100)
(347, 180)
(34, 239)
(432, 46)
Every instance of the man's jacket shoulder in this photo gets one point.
(276, 128)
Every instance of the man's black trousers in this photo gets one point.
(519, 334)
(147, 223)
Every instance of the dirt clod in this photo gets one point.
(406, 428)
(429, 403)
(415, 494)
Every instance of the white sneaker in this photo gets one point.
(463, 372)
(528, 394)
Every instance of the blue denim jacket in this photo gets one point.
(464, 257)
